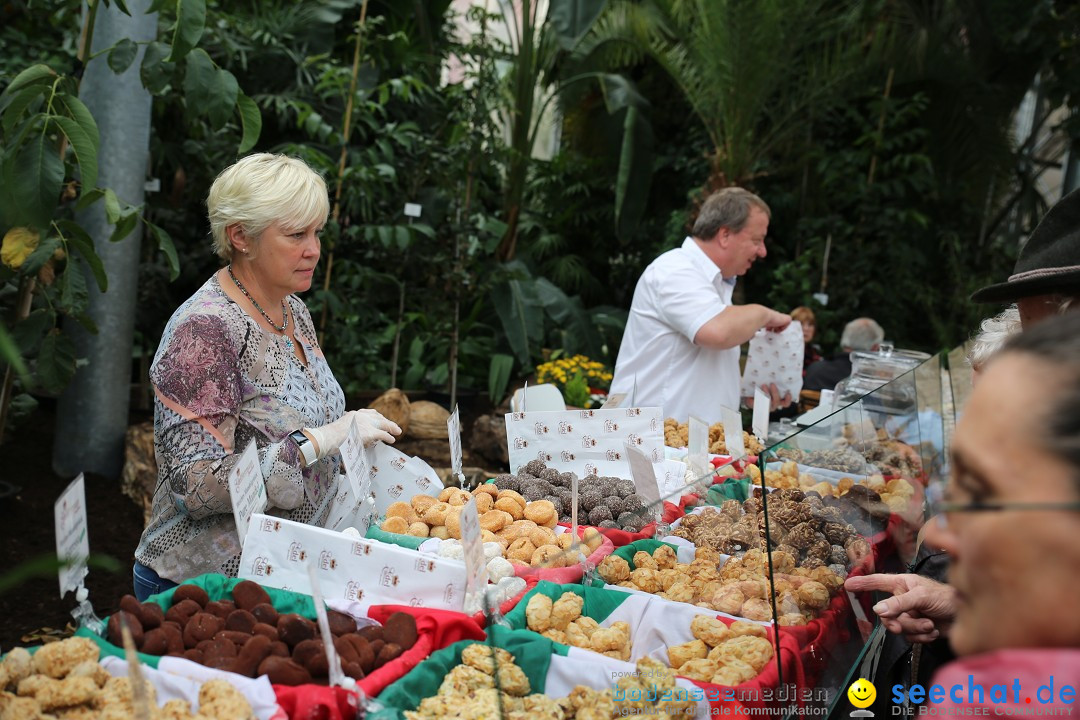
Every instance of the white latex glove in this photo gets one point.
(370, 425)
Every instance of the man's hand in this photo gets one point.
(776, 402)
(921, 609)
(777, 321)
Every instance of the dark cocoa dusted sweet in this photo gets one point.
(194, 655)
(248, 594)
(221, 608)
(241, 621)
(265, 613)
(371, 632)
(345, 650)
(340, 623)
(307, 649)
(219, 654)
(151, 615)
(115, 634)
(388, 653)
(182, 611)
(190, 592)
(202, 626)
(269, 631)
(364, 654)
(129, 604)
(400, 630)
(280, 649)
(251, 656)
(155, 642)
(294, 629)
(283, 671)
(236, 638)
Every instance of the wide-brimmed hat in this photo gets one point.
(1049, 262)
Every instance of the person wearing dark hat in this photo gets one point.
(1046, 278)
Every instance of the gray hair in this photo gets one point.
(993, 332)
(728, 208)
(861, 334)
(260, 190)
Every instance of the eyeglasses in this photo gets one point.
(947, 508)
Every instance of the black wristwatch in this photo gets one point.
(307, 448)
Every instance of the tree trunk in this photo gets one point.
(92, 414)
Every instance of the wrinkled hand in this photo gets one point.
(920, 609)
(776, 401)
(777, 321)
(370, 425)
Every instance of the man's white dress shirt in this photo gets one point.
(677, 294)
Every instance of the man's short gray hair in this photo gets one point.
(728, 208)
(993, 332)
(861, 334)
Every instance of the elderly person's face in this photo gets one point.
(1017, 571)
(747, 245)
(285, 258)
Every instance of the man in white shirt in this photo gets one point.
(680, 350)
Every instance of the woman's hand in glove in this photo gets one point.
(370, 425)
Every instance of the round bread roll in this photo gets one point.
(520, 550)
(444, 495)
(548, 556)
(516, 497)
(436, 514)
(421, 503)
(487, 489)
(440, 531)
(401, 510)
(593, 538)
(542, 536)
(542, 512)
(395, 524)
(459, 497)
(484, 503)
(453, 522)
(495, 520)
(511, 506)
(419, 529)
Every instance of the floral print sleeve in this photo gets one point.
(220, 381)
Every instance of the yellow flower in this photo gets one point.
(18, 244)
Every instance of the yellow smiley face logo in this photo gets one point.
(862, 693)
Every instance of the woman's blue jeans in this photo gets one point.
(148, 582)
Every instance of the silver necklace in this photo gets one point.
(284, 313)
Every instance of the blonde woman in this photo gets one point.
(239, 361)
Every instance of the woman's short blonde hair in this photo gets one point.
(260, 190)
(804, 315)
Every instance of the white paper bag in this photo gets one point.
(396, 476)
(775, 357)
(586, 442)
(367, 572)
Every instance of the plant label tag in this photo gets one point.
(337, 677)
(356, 465)
(641, 472)
(72, 541)
(413, 210)
(760, 421)
(476, 577)
(697, 446)
(613, 401)
(733, 432)
(453, 431)
(247, 488)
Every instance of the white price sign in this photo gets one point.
(247, 488)
(72, 541)
(733, 432)
(476, 577)
(641, 471)
(760, 421)
(697, 446)
(356, 464)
